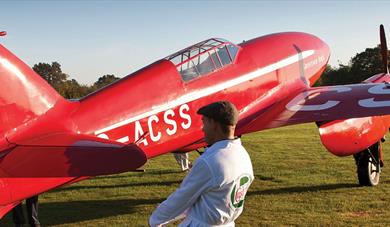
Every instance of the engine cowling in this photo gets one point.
(350, 136)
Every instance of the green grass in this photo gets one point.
(297, 182)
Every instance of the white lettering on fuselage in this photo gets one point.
(314, 62)
(170, 131)
(138, 133)
(171, 126)
(185, 116)
(154, 137)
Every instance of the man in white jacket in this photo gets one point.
(213, 192)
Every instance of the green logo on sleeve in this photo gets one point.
(239, 190)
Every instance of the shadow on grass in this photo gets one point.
(142, 174)
(266, 178)
(78, 187)
(385, 182)
(301, 189)
(110, 177)
(77, 211)
(162, 171)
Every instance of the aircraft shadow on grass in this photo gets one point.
(156, 183)
(141, 174)
(300, 189)
(77, 211)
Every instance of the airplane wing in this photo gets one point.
(66, 155)
(316, 104)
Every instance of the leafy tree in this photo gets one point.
(105, 80)
(51, 73)
(335, 76)
(71, 89)
(323, 79)
(366, 64)
(362, 66)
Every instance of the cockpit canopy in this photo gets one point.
(203, 58)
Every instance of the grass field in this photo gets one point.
(297, 183)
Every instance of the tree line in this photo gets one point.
(359, 68)
(69, 88)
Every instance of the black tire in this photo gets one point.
(368, 167)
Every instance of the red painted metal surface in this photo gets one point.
(347, 137)
(350, 136)
(269, 81)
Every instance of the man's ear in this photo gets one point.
(216, 125)
(212, 123)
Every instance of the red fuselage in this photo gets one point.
(157, 100)
(156, 106)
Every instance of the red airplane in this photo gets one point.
(48, 141)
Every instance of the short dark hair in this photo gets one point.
(224, 112)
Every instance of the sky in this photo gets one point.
(92, 38)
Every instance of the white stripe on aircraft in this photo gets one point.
(210, 90)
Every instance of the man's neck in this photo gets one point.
(223, 137)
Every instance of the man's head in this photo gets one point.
(219, 121)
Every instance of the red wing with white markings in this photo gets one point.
(326, 104)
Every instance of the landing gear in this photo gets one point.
(369, 165)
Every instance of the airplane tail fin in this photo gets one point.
(24, 95)
(384, 51)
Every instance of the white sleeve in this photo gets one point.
(197, 181)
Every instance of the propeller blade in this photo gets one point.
(384, 51)
(3, 33)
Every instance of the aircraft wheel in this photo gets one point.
(368, 166)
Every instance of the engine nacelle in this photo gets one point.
(350, 136)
